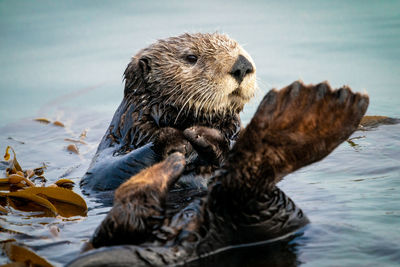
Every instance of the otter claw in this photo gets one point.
(268, 104)
(363, 103)
(295, 89)
(209, 143)
(322, 90)
(342, 93)
(270, 98)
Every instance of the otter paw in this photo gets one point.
(155, 179)
(170, 140)
(211, 145)
(139, 204)
(300, 124)
(300, 112)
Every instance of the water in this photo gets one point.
(65, 61)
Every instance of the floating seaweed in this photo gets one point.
(18, 191)
(58, 123)
(53, 200)
(47, 121)
(65, 183)
(21, 255)
(3, 210)
(370, 122)
(73, 148)
(42, 120)
(81, 139)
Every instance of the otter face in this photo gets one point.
(203, 73)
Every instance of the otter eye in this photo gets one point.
(191, 59)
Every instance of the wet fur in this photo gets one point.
(243, 204)
(164, 92)
(161, 90)
(293, 127)
(139, 204)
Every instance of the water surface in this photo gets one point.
(65, 61)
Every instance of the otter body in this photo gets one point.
(193, 182)
(174, 84)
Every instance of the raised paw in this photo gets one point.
(300, 124)
(317, 110)
(156, 178)
(211, 145)
(139, 204)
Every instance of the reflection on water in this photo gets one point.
(65, 60)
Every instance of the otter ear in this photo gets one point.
(144, 65)
(135, 75)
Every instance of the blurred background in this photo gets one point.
(73, 53)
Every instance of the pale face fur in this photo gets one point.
(203, 86)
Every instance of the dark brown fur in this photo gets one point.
(292, 128)
(139, 204)
(164, 96)
(157, 91)
(185, 115)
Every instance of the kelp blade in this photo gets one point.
(59, 194)
(65, 183)
(24, 255)
(31, 197)
(14, 166)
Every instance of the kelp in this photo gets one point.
(53, 200)
(27, 190)
(39, 171)
(14, 264)
(65, 183)
(58, 194)
(370, 122)
(56, 201)
(21, 255)
(73, 148)
(11, 196)
(81, 139)
(47, 121)
(3, 210)
(58, 123)
(14, 166)
(42, 120)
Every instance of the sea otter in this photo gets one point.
(193, 82)
(198, 183)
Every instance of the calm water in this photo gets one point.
(65, 61)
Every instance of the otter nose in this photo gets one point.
(241, 68)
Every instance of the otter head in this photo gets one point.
(198, 73)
